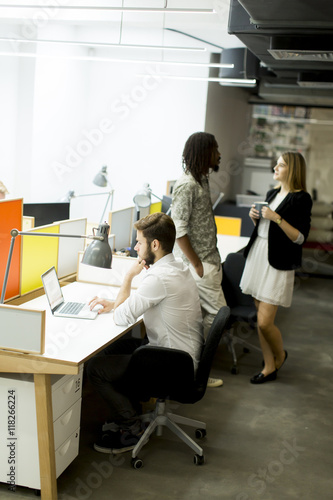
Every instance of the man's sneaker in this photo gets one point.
(214, 382)
(110, 426)
(116, 442)
(105, 441)
(126, 441)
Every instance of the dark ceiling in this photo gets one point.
(299, 35)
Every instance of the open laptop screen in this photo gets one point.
(52, 288)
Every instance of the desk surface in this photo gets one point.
(68, 343)
(73, 341)
(229, 244)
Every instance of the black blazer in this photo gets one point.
(295, 208)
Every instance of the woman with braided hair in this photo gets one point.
(196, 240)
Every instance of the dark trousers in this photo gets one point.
(107, 373)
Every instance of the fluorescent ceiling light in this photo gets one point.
(112, 9)
(238, 82)
(113, 60)
(104, 44)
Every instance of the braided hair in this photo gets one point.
(197, 154)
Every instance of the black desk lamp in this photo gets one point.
(98, 253)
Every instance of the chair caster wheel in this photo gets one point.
(200, 433)
(246, 350)
(137, 463)
(234, 370)
(199, 459)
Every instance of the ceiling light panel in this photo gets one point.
(73, 5)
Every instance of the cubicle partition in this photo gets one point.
(121, 225)
(32, 255)
(10, 218)
(41, 253)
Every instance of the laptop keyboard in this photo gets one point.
(72, 308)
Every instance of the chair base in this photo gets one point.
(160, 418)
(231, 340)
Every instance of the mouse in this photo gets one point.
(97, 307)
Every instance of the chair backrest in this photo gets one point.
(233, 268)
(167, 373)
(209, 349)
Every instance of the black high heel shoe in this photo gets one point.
(260, 378)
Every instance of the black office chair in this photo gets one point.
(168, 374)
(243, 313)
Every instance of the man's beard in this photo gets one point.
(149, 257)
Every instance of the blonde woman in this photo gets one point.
(273, 253)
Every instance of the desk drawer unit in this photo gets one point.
(19, 459)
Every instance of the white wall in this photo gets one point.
(67, 118)
(9, 68)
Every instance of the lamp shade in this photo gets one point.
(101, 179)
(98, 253)
(142, 198)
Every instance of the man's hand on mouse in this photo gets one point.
(107, 305)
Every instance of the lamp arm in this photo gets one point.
(4, 286)
(90, 194)
(156, 196)
(219, 198)
(110, 197)
(15, 232)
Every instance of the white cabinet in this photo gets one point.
(19, 459)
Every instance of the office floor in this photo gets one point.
(269, 442)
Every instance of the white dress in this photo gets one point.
(260, 279)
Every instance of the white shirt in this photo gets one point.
(169, 301)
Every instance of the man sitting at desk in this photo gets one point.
(169, 301)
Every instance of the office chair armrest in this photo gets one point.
(160, 372)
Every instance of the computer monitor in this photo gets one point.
(46, 213)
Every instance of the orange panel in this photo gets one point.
(10, 218)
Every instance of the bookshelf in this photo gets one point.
(276, 129)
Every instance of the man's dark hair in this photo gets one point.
(197, 154)
(158, 226)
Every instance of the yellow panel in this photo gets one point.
(228, 225)
(155, 207)
(39, 253)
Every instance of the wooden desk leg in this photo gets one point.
(47, 467)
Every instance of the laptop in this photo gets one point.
(57, 302)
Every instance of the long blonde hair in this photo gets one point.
(296, 179)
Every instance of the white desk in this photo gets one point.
(230, 244)
(68, 343)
